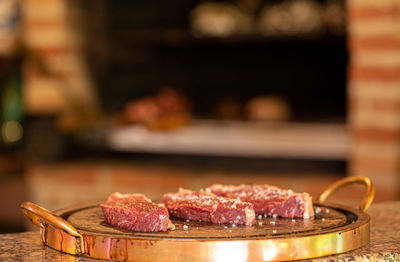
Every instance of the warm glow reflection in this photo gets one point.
(230, 251)
(269, 251)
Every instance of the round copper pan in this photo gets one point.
(335, 229)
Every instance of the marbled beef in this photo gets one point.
(136, 212)
(268, 199)
(202, 206)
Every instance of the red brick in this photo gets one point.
(386, 105)
(376, 134)
(372, 12)
(376, 104)
(386, 75)
(375, 43)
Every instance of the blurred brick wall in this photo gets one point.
(56, 77)
(374, 92)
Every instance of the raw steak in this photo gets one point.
(268, 199)
(136, 212)
(202, 206)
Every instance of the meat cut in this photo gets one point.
(136, 212)
(269, 200)
(203, 206)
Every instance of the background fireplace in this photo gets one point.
(142, 47)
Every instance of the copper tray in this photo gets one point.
(335, 229)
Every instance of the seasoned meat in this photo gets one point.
(268, 199)
(202, 206)
(136, 212)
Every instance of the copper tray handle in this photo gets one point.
(40, 216)
(368, 198)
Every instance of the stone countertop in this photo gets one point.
(384, 244)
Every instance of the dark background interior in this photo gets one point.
(138, 47)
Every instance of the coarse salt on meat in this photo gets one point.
(203, 206)
(268, 200)
(136, 212)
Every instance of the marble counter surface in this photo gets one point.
(384, 244)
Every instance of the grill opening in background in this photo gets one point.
(148, 46)
(136, 49)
